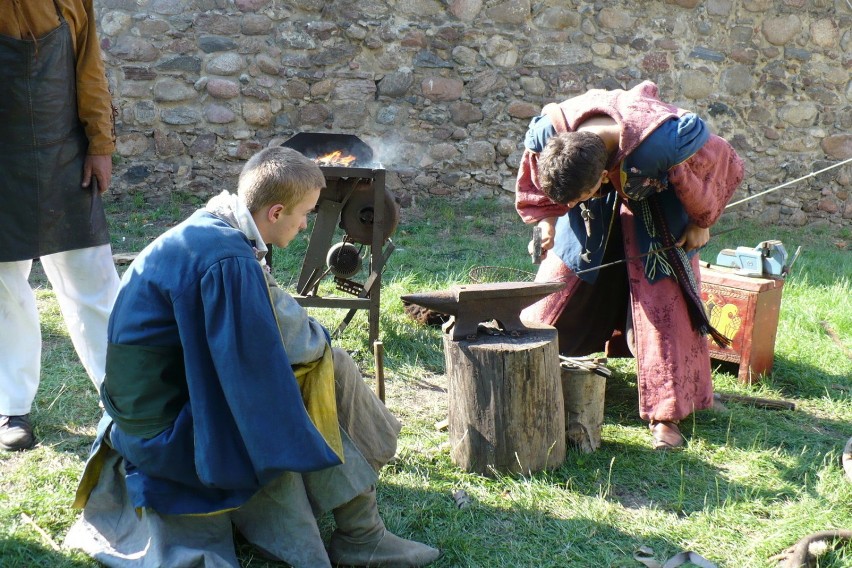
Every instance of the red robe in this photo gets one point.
(673, 362)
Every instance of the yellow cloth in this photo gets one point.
(28, 19)
(316, 381)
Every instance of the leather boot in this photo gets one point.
(16, 433)
(361, 538)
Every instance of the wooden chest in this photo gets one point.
(746, 310)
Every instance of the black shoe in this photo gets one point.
(16, 433)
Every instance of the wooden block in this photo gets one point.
(506, 412)
(584, 393)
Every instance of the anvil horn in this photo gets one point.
(472, 304)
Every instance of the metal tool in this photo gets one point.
(536, 245)
(768, 258)
(472, 304)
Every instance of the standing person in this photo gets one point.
(56, 144)
(610, 175)
(226, 405)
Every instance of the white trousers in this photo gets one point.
(85, 283)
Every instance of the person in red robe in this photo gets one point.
(614, 175)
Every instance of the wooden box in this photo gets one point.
(745, 309)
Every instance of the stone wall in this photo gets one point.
(443, 90)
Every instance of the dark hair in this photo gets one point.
(571, 164)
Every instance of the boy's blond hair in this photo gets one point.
(278, 175)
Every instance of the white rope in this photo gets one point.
(812, 174)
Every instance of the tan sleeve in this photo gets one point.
(94, 103)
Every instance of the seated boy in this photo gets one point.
(227, 407)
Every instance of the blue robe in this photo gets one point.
(199, 291)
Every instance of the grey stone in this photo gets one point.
(465, 10)
(396, 84)
(188, 63)
(133, 144)
(212, 44)
(707, 54)
(435, 114)
(134, 49)
(218, 114)
(179, 116)
(387, 114)
(425, 58)
(257, 113)
(464, 113)
(510, 12)
(737, 79)
(145, 112)
(172, 90)
(354, 89)
(480, 153)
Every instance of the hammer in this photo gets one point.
(536, 245)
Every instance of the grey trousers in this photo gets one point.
(280, 520)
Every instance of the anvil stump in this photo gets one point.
(506, 411)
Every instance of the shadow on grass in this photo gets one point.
(485, 535)
(22, 553)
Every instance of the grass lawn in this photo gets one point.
(750, 483)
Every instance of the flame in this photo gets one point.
(336, 158)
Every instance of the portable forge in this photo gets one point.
(356, 200)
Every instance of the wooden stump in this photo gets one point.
(583, 392)
(505, 402)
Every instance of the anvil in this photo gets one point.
(471, 304)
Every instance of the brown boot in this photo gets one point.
(361, 539)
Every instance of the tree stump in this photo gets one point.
(584, 393)
(506, 412)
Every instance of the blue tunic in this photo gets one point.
(200, 289)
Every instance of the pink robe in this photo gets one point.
(673, 362)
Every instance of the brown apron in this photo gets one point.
(43, 208)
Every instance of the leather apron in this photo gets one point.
(42, 150)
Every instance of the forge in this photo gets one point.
(356, 201)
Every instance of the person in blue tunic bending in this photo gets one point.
(226, 406)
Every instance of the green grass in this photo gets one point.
(750, 483)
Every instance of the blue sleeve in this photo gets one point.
(539, 132)
(646, 168)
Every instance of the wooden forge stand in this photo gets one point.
(506, 411)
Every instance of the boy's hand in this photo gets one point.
(548, 230)
(693, 237)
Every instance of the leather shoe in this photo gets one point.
(666, 435)
(16, 433)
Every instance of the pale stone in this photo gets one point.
(480, 153)
(738, 79)
(501, 51)
(134, 49)
(355, 89)
(825, 33)
(218, 114)
(510, 12)
(464, 113)
(223, 88)
(113, 22)
(465, 56)
(443, 151)
(696, 85)
(533, 85)
(615, 18)
(134, 144)
(226, 64)
(171, 90)
(257, 114)
(799, 113)
(557, 18)
(782, 29)
(465, 10)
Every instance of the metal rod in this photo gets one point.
(379, 355)
(770, 190)
(643, 255)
